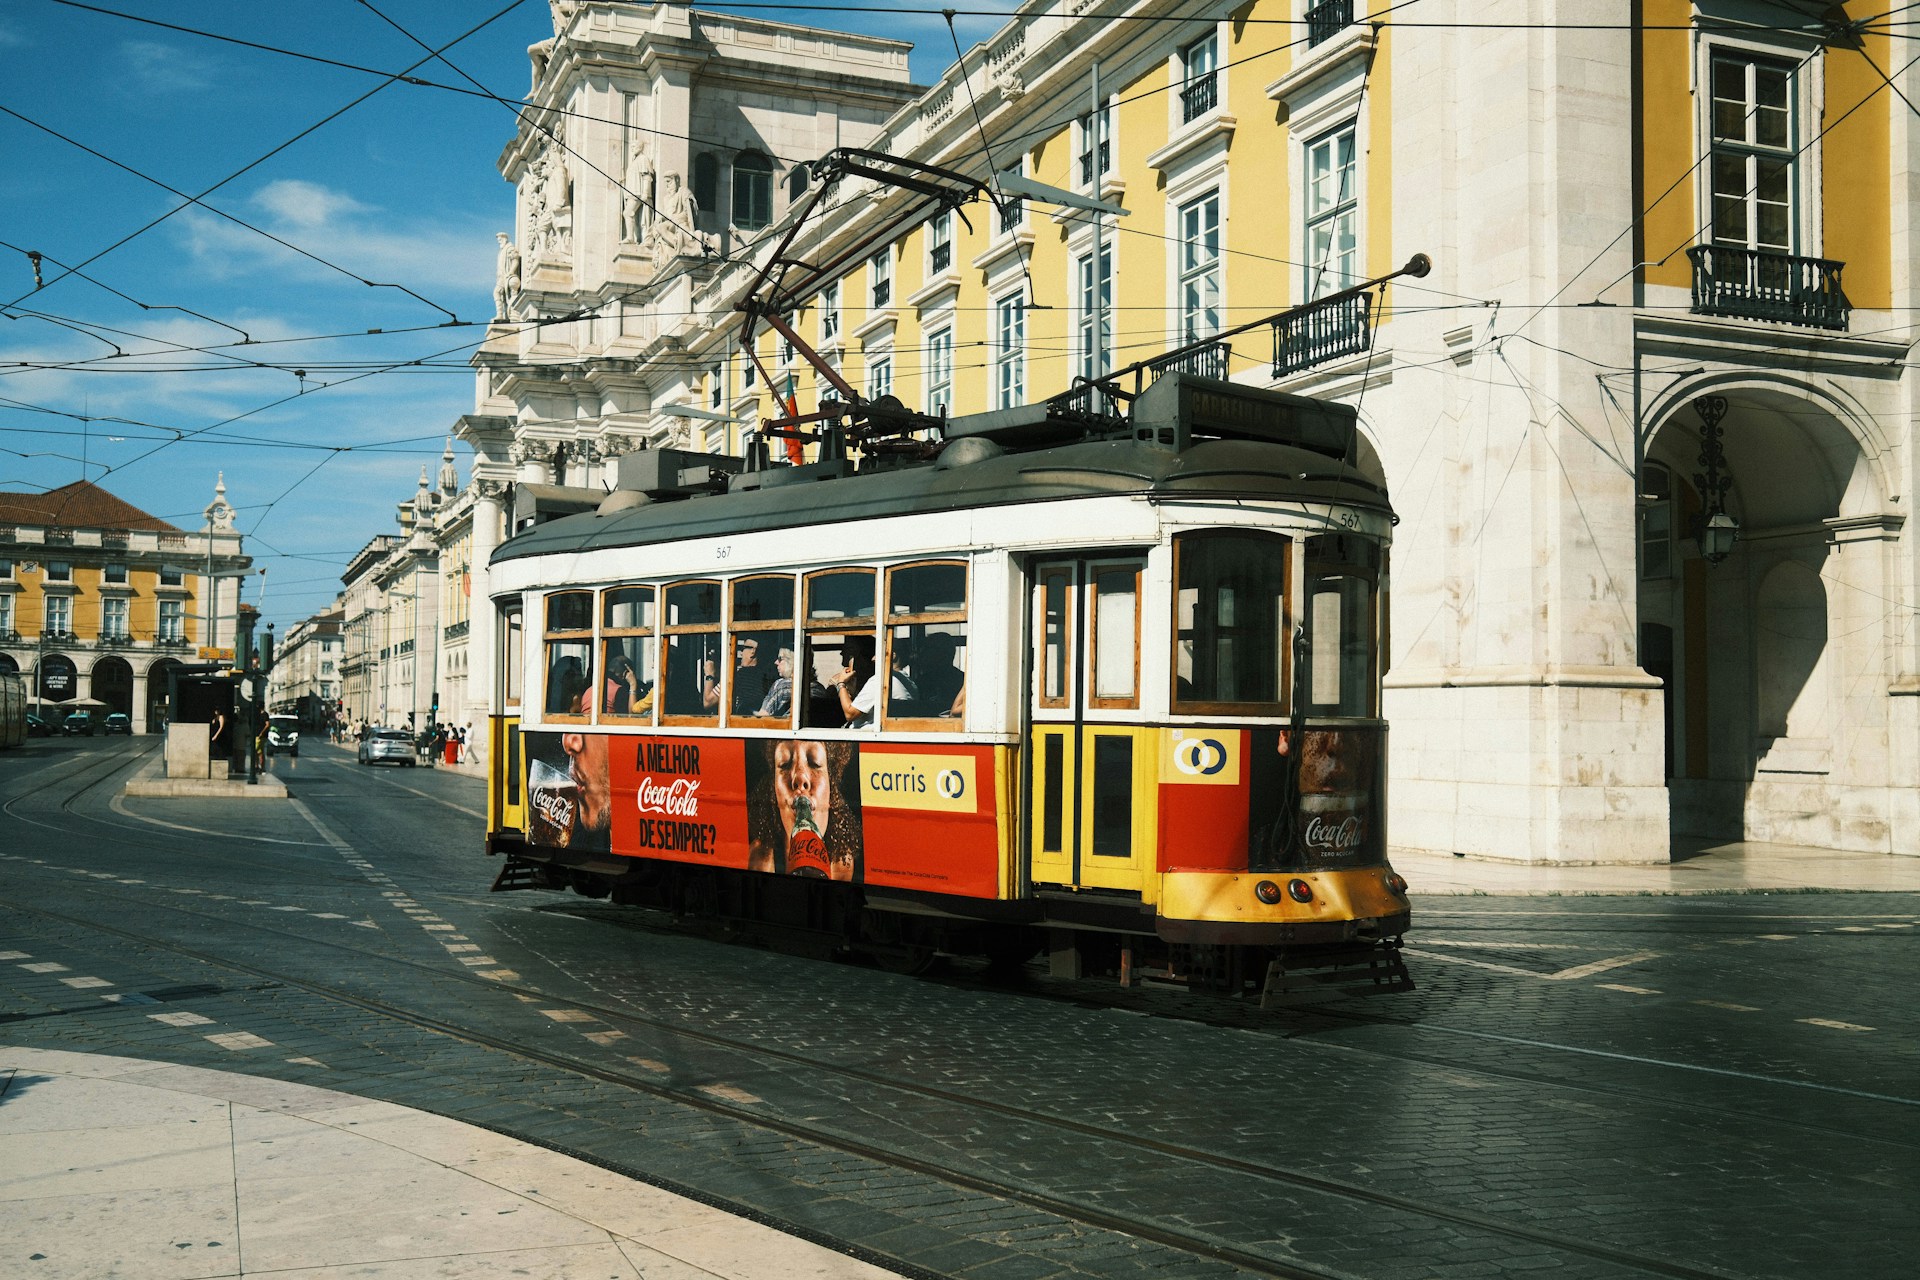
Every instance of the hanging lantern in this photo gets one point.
(1714, 528)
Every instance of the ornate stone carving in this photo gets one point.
(636, 202)
(492, 490)
(506, 275)
(673, 233)
(550, 203)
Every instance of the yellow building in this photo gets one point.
(1667, 242)
(99, 600)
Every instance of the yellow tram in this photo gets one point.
(1109, 685)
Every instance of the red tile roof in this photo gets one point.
(79, 505)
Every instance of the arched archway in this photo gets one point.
(111, 682)
(59, 679)
(157, 705)
(8, 666)
(1748, 648)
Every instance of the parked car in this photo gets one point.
(38, 728)
(119, 722)
(77, 724)
(388, 744)
(283, 736)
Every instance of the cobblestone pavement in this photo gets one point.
(1585, 1087)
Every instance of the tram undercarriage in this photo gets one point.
(1082, 936)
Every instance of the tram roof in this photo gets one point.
(1206, 469)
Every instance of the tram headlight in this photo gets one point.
(1397, 883)
(1267, 891)
(1300, 890)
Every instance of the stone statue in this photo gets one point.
(506, 275)
(636, 206)
(673, 225)
(550, 193)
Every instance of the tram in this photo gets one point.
(1102, 683)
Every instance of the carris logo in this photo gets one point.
(1200, 757)
(951, 783)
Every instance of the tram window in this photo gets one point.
(927, 644)
(692, 676)
(626, 637)
(761, 691)
(1115, 614)
(1230, 616)
(1341, 573)
(1056, 605)
(513, 653)
(569, 656)
(834, 597)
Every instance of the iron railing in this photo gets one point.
(1324, 331)
(1198, 97)
(941, 257)
(1209, 361)
(1095, 161)
(882, 293)
(1755, 284)
(1327, 20)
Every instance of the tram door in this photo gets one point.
(1092, 768)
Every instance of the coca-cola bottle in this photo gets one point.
(806, 847)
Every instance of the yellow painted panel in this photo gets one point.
(1099, 871)
(1667, 143)
(1856, 186)
(1228, 898)
(1140, 324)
(1051, 866)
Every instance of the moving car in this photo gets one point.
(119, 722)
(77, 723)
(283, 736)
(388, 744)
(38, 728)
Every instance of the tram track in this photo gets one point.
(1066, 1208)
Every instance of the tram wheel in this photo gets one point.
(903, 958)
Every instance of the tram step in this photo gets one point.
(517, 873)
(1330, 972)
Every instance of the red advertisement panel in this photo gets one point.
(931, 817)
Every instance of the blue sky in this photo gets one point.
(171, 357)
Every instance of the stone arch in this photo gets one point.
(157, 705)
(58, 679)
(8, 666)
(111, 682)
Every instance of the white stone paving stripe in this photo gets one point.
(1722, 1004)
(1621, 986)
(129, 997)
(1600, 966)
(1829, 1022)
(86, 982)
(16, 955)
(44, 966)
(569, 1015)
(605, 1037)
(181, 1018)
(1474, 964)
(240, 1040)
(725, 1092)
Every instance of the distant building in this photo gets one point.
(98, 599)
(306, 672)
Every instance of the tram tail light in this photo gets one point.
(1300, 890)
(1397, 883)
(1267, 891)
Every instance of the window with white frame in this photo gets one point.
(1754, 151)
(940, 243)
(1332, 237)
(787, 353)
(1199, 79)
(59, 571)
(172, 577)
(113, 618)
(1096, 146)
(879, 375)
(1093, 292)
(716, 386)
(940, 371)
(880, 279)
(1199, 251)
(114, 574)
(749, 372)
(173, 620)
(830, 312)
(6, 615)
(1009, 351)
(59, 615)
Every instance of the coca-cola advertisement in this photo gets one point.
(1314, 799)
(569, 792)
(803, 808)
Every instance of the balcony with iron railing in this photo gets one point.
(1327, 20)
(882, 293)
(1095, 161)
(1322, 331)
(1757, 284)
(940, 258)
(1210, 361)
(1199, 96)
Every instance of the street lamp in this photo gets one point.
(1714, 528)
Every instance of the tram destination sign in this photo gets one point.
(1194, 406)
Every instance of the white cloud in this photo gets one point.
(305, 204)
(162, 68)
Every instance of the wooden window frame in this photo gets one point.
(648, 635)
(666, 629)
(550, 635)
(889, 621)
(811, 627)
(736, 627)
(1286, 544)
(1094, 567)
(1040, 699)
(1371, 575)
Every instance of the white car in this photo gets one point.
(283, 736)
(388, 744)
